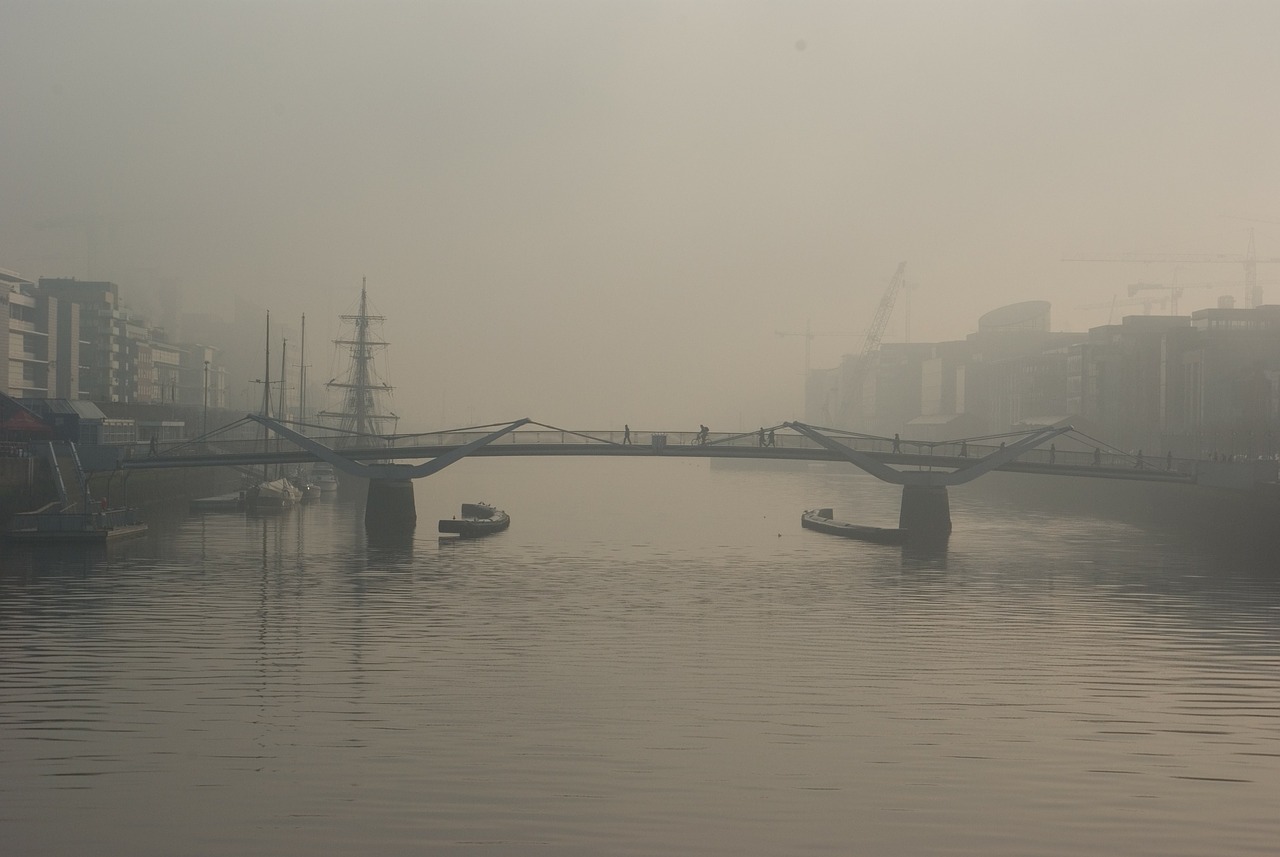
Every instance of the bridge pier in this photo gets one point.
(925, 512)
(389, 505)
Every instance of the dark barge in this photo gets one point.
(478, 519)
(822, 521)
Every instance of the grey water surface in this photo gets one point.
(654, 659)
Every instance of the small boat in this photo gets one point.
(49, 524)
(273, 496)
(323, 478)
(309, 491)
(822, 521)
(478, 519)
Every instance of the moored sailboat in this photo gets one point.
(361, 414)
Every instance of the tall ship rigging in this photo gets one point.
(362, 411)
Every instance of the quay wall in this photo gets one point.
(28, 483)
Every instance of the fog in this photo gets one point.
(593, 213)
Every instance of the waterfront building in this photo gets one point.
(1203, 384)
(37, 342)
(1230, 381)
(1012, 370)
(106, 363)
(1126, 383)
(108, 354)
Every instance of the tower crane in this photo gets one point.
(1175, 291)
(809, 336)
(1146, 302)
(1250, 260)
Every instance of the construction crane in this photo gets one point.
(1250, 260)
(809, 336)
(876, 331)
(1145, 302)
(871, 342)
(1175, 291)
(871, 339)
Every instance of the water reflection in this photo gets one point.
(926, 555)
(676, 666)
(390, 545)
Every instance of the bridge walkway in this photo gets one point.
(1077, 457)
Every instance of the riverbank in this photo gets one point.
(28, 483)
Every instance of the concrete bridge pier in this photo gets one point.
(389, 505)
(925, 512)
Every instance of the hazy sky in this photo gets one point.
(601, 212)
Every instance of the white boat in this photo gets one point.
(309, 491)
(323, 478)
(274, 496)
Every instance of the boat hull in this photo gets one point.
(47, 525)
(95, 536)
(821, 521)
(478, 519)
(275, 496)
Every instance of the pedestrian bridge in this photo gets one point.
(1079, 455)
(924, 468)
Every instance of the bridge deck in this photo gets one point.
(786, 445)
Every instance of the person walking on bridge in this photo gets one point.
(626, 433)
(762, 436)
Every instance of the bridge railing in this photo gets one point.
(905, 449)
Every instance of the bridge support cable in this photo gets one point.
(573, 433)
(205, 438)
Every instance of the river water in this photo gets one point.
(654, 659)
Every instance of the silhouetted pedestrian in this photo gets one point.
(1053, 453)
(964, 449)
(772, 440)
(897, 443)
(762, 437)
(152, 446)
(626, 433)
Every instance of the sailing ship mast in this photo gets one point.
(266, 393)
(302, 377)
(360, 416)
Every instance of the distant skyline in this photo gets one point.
(602, 213)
